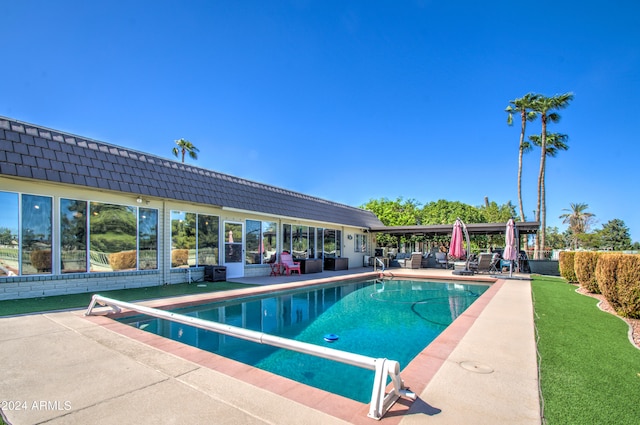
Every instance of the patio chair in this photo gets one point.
(412, 262)
(289, 265)
(483, 265)
(495, 263)
(441, 259)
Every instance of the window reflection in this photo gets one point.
(36, 234)
(260, 242)
(233, 242)
(208, 226)
(183, 238)
(73, 236)
(9, 235)
(300, 243)
(194, 239)
(148, 239)
(112, 240)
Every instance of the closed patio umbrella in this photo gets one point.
(456, 249)
(510, 252)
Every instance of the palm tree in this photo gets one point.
(185, 146)
(578, 219)
(545, 106)
(555, 142)
(522, 106)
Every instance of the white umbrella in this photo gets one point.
(510, 252)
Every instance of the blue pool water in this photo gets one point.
(393, 319)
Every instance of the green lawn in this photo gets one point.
(61, 302)
(590, 371)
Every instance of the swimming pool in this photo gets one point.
(394, 319)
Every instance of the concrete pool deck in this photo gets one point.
(65, 368)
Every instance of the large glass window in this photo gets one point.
(269, 241)
(260, 242)
(113, 231)
(319, 242)
(286, 237)
(300, 241)
(332, 243)
(119, 238)
(93, 236)
(73, 236)
(194, 239)
(9, 235)
(253, 248)
(183, 238)
(360, 243)
(208, 234)
(36, 234)
(147, 239)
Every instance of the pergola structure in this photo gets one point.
(523, 228)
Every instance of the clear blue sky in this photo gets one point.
(345, 100)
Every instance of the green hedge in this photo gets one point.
(628, 276)
(566, 263)
(179, 257)
(584, 264)
(124, 260)
(614, 275)
(606, 275)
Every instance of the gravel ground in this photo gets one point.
(634, 324)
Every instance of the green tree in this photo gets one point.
(184, 147)
(522, 106)
(494, 213)
(615, 235)
(578, 219)
(545, 107)
(394, 213)
(446, 212)
(555, 239)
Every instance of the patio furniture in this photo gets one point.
(495, 262)
(483, 265)
(289, 265)
(412, 262)
(336, 263)
(441, 259)
(310, 265)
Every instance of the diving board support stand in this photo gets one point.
(381, 402)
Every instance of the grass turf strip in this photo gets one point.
(68, 301)
(589, 370)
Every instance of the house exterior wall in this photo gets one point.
(56, 283)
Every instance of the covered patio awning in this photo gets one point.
(524, 228)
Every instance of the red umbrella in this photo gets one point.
(510, 252)
(456, 249)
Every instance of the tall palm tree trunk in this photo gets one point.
(541, 207)
(520, 154)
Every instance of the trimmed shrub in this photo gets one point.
(606, 275)
(628, 285)
(179, 257)
(124, 260)
(41, 260)
(584, 264)
(566, 260)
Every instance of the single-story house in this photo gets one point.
(80, 215)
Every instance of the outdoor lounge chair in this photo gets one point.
(441, 259)
(413, 262)
(495, 262)
(483, 265)
(289, 265)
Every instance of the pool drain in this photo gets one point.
(476, 367)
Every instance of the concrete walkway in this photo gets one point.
(62, 368)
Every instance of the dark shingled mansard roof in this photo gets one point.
(33, 152)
